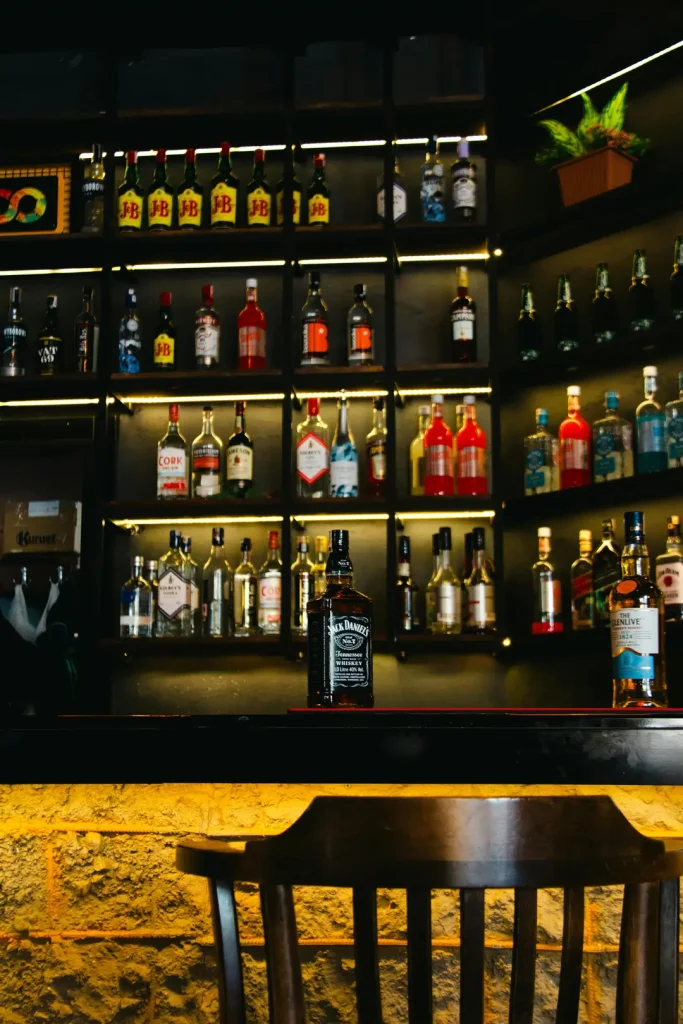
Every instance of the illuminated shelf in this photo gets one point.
(198, 510)
(424, 507)
(78, 388)
(202, 385)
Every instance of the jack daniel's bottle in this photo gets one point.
(340, 636)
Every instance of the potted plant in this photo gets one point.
(601, 154)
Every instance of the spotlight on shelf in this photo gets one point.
(484, 514)
(275, 396)
(416, 392)
(52, 270)
(129, 524)
(446, 257)
(341, 517)
(497, 252)
(48, 402)
(507, 642)
(223, 265)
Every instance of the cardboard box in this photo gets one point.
(35, 527)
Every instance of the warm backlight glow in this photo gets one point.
(322, 146)
(507, 642)
(445, 257)
(129, 524)
(339, 394)
(343, 259)
(339, 517)
(486, 514)
(416, 392)
(223, 265)
(51, 270)
(48, 402)
(497, 252)
(275, 396)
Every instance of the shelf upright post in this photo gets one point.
(288, 355)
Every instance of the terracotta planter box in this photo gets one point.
(590, 175)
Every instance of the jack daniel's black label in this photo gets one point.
(340, 653)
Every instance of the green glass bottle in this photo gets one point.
(641, 296)
(565, 320)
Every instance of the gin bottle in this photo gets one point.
(546, 614)
(302, 587)
(605, 325)
(194, 577)
(676, 281)
(448, 590)
(432, 186)
(612, 443)
(312, 454)
(640, 295)
(669, 571)
(136, 603)
(583, 602)
(245, 590)
(270, 587)
(673, 412)
(174, 614)
(217, 583)
(650, 426)
(343, 457)
(173, 464)
(606, 572)
(539, 456)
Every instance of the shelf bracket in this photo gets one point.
(123, 408)
(296, 401)
(399, 400)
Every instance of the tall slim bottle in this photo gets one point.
(539, 457)
(529, 341)
(448, 590)
(640, 295)
(438, 450)
(86, 333)
(406, 591)
(583, 600)
(245, 592)
(207, 456)
(343, 456)
(565, 319)
(480, 589)
(130, 336)
(315, 348)
(612, 443)
(173, 461)
(376, 451)
(217, 588)
(417, 453)
(546, 615)
(130, 196)
(164, 339)
(14, 336)
(605, 321)
(207, 332)
(194, 577)
(669, 571)
(312, 454)
(676, 282)
(259, 194)
(92, 191)
(606, 572)
(160, 196)
(359, 330)
(430, 592)
(319, 566)
(270, 587)
(464, 321)
(432, 186)
(464, 185)
(318, 193)
(651, 427)
(50, 352)
(302, 587)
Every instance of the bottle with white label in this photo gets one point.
(207, 332)
(173, 460)
(174, 612)
(546, 615)
(343, 457)
(400, 195)
(270, 587)
(539, 457)
(207, 455)
(312, 454)
(217, 589)
(239, 457)
(651, 427)
(669, 571)
(480, 589)
(448, 590)
(430, 590)
(302, 587)
(636, 608)
(194, 577)
(136, 603)
(464, 185)
(245, 591)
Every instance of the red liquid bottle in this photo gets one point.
(470, 444)
(438, 449)
(575, 444)
(251, 330)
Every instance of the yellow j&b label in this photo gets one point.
(130, 210)
(189, 209)
(296, 207)
(223, 204)
(258, 207)
(164, 350)
(318, 210)
(159, 208)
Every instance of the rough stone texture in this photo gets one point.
(97, 926)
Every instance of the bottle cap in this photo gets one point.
(611, 399)
(131, 156)
(173, 412)
(52, 302)
(138, 562)
(216, 538)
(240, 407)
(152, 563)
(252, 282)
(313, 406)
(131, 298)
(469, 400)
(649, 371)
(207, 408)
(303, 543)
(246, 544)
(634, 522)
(319, 160)
(436, 544)
(463, 149)
(161, 156)
(478, 538)
(586, 535)
(225, 148)
(404, 549)
(190, 156)
(174, 538)
(274, 539)
(259, 156)
(608, 524)
(207, 294)
(437, 399)
(321, 544)
(674, 520)
(378, 403)
(423, 410)
(544, 531)
(166, 299)
(314, 279)
(445, 538)
(339, 540)
(359, 290)
(542, 416)
(573, 391)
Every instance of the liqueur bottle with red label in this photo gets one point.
(190, 195)
(270, 587)
(160, 197)
(207, 454)
(315, 350)
(438, 453)
(251, 331)
(224, 186)
(464, 322)
(207, 332)
(583, 599)
(376, 450)
(359, 329)
(318, 194)
(546, 616)
(164, 340)
(239, 457)
(575, 443)
(296, 201)
(130, 196)
(259, 194)
(470, 443)
(312, 454)
(173, 460)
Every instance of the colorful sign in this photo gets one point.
(34, 200)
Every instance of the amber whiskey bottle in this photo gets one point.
(340, 636)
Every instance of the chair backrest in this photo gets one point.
(470, 844)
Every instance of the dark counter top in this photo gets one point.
(628, 748)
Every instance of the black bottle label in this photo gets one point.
(93, 188)
(351, 649)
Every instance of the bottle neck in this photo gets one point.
(635, 560)
(378, 419)
(541, 426)
(478, 559)
(87, 305)
(343, 425)
(437, 411)
(274, 554)
(543, 548)
(252, 297)
(404, 566)
(585, 548)
(673, 541)
(259, 172)
(573, 405)
(160, 174)
(437, 562)
(321, 557)
(173, 427)
(445, 558)
(131, 174)
(225, 165)
(246, 557)
(470, 414)
(422, 423)
(239, 422)
(207, 424)
(650, 388)
(190, 173)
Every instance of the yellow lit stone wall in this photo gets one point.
(97, 926)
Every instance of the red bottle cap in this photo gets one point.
(161, 156)
(173, 413)
(259, 156)
(273, 539)
(313, 406)
(319, 160)
(225, 148)
(189, 156)
(207, 294)
(166, 298)
(131, 156)
(239, 408)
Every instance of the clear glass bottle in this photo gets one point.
(173, 462)
(246, 589)
(207, 458)
(270, 587)
(432, 195)
(302, 587)
(417, 452)
(152, 576)
(312, 454)
(448, 590)
(430, 591)
(637, 626)
(612, 443)
(669, 571)
(480, 588)
(130, 336)
(239, 457)
(673, 413)
(319, 566)
(376, 451)
(605, 320)
(315, 349)
(136, 603)
(174, 612)
(195, 578)
(539, 456)
(583, 602)
(343, 456)
(546, 615)
(651, 427)
(359, 329)
(606, 572)
(407, 615)
(217, 589)
(92, 191)
(640, 295)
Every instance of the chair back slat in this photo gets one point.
(419, 901)
(572, 956)
(285, 988)
(472, 956)
(228, 951)
(368, 997)
(638, 974)
(669, 927)
(523, 957)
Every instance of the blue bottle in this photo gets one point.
(650, 427)
(130, 340)
(432, 186)
(343, 457)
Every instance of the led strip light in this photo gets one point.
(486, 514)
(127, 524)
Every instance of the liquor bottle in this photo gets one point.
(546, 616)
(641, 297)
(417, 452)
(302, 587)
(318, 193)
(174, 614)
(315, 345)
(312, 454)
(246, 588)
(583, 602)
(343, 456)
(164, 340)
(340, 636)
(612, 443)
(173, 462)
(464, 184)
(151, 572)
(251, 331)
(207, 332)
(190, 195)
(606, 572)
(529, 341)
(575, 443)
(673, 412)
(319, 566)
(296, 201)
(448, 590)
(85, 334)
(605, 321)
(463, 322)
(676, 281)
(194, 578)
(217, 584)
(50, 352)
(130, 338)
(468, 557)
(430, 591)
(669, 571)
(130, 196)
(565, 319)
(239, 457)
(651, 427)
(376, 451)
(431, 185)
(224, 187)
(400, 199)
(359, 330)
(438, 453)
(539, 455)
(14, 337)
(480, 589)
(270, 587)
(92, 191)
(160, 196)
(259, 194)
(135, 619)
(407, 615)
(207, 455)
(470, 443)
(636, 610)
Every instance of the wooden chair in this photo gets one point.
(470, 844)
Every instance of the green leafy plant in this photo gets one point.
(595, 130)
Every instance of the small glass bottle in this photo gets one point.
(164, 339)
(207, 456)
(464, 185)
(529, 341)
(251, 331)
(651, 427)
(546, 616)
(430, 591)
(376, 451)
(565, 319)
(612, 443)
(14, 337)
(606, 572)
(130, 337)
(190, 195)
(312, 454)
(480, 589)
(302, 587)
(92, 191)
(217, 589)
(673, 412)
(224, 186)
(239, 457)
(245, 591)
(432, 186)
(270, 588)
(605, 321)
(174, 613)
(315, 347)
(207, 332)
(343, 456)
(539, 455)
(359, 330)
(152, 576)
(463, 321)
(50, 352)
(417, 453)
(318, 193)
(575, 443)
(259, 194)
(407, 615)
(195, 579)
(676, 281)
(583, 602)
(470, 443)
(448, 590)
(438, 453)
(669, 571)
(173, 463)
(640, 295)
(136, 603)
(86, 333)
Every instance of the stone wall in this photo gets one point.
(97, 926)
